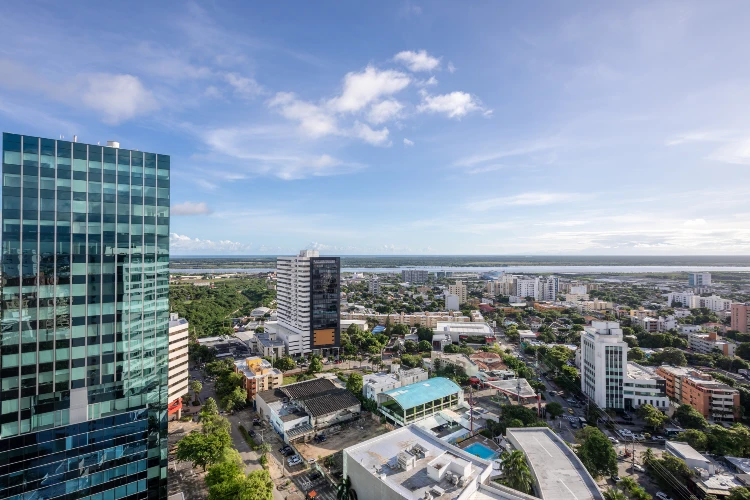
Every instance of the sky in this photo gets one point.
(408, 127)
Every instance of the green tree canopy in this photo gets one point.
(653, 417)
(516, 473)
(316, 366)
(424, 346)
(596, 452)
(689, 417)
(200, 449)
(554, 409)
(695, 438)
(209, 407)
(196, 387)
(285, 364)
(354, 384)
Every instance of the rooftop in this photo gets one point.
(380, 379)
(559, 473)
(331, 402)
(412, 462)
(465, 328)
(419, 393)
(178, 322)
(308, 388)
(742, 464)
(514, 386)
(639, 372)
(685, 451)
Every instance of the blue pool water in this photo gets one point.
(481, 451)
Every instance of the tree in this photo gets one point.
(224, 471)
(596, 452)
(614, 494)
(354, 384)
(424, 333)
(654, 418)
(739, 493)
(285, 364)
(636, 354)
(315, 366)
(400, 330)
(743, 351)
(196, 387)
(689, 417)
(257, 485)
(235, 399)
(516, 473)
(695, 438)
(670, 356)
(410, 346)
(260, 329)
(353, 329)
(212, 424)
(424, 346)
(200, 449)
(451, 349)
(209, 407)
(554, 409)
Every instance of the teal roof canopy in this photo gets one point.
(420, 393)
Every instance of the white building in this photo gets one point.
(414, 276)
(178, 360)
(455, 359)
(374, 285)
(548, 287)
(715, 303)
(606, 375)
(699, 279)
(577, 290)
(707, 342)
(458, 289)
(682, 298)
(375, 383)
(655, 325)
(526, 287)
(462, 331)
(451, 302)
(692, 301)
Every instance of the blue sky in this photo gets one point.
(408, 127)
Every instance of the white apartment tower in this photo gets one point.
(178, 363)
(603, 363)
(308, 297)
(459, 290)
(548, 287)
(699, 279)
(374, 285)
(526, 287)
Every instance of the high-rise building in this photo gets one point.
(414, 276)
(548, 287)
(85, 321)
(526, 287)
(458, 289)
(374, 285)
(699, 279)
(308, 293)
(178, 363)
(608, 378)
(740, 317)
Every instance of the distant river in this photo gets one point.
(509, 269)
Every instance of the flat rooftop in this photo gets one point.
(637, 371)
(380, 456)
(559, 473)
(467, 328)
(685, 451)
(419, 393)
(514, 387)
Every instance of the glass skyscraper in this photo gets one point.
(85, 319)
(325, 304)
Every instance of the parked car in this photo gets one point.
(570, 410)
(294, 460)
(314, 476)
(616, 479)
(252, 433)
(311, 461)
(614, 441)
(662, 496)
(639, 468)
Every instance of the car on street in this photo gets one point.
(639, 468)
(311, 461)
(613, 440)
(286, 451)
(252, 433)
(293, 460)
(662, 496)
(570, 410)
(616, 479)
(315, 475)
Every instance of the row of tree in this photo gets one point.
(211, 449)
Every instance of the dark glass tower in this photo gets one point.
(325, 303)
(85, 321)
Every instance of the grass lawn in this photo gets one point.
(290, 379)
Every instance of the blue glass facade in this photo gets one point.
(84, 321)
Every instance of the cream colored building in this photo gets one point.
(178, 362)
(460, 290)
(428, 319)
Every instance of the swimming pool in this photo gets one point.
(481, 451)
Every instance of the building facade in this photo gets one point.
(258, 375)
(414, 276)
(714, 400)
(178, 363)
(459, 290)
(603, 363)
(373, 286)
(85, 321)
(548, 287)
(707, 342)
(740, 317)
(699, 279)
(309, 300)
(526, 287)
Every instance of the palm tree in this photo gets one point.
(647, 456)
(345, 490)
(516, 473)
(614, 494)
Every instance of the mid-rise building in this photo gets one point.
(548, 287)
(414, 276)
(428, 319)
(178, 363)
(650, 324)
(415, 402)
(699, 279)
(309, 301)
(460, 290)
(607, 377)
(452, 302)
(693, 301)
(85, 320)
(740, 318)
(375, 383)
(714, 400)
(708, 342)
(501, 286)
(577, 290)
(465, 331)
(258, 375)
(373, 286)
(526, 287)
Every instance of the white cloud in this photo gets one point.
(523, 199)
(212, 92)
(243, 86)
(736, 153)
(417, 61)
(407, 142)
(190, 208)
(182, 244)
(384, 111)
(694, 223)
(360, 89)
(374, 137)
(116, 97)
(454, 105)
(427, 83)
(313, 120)
(451, 68)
